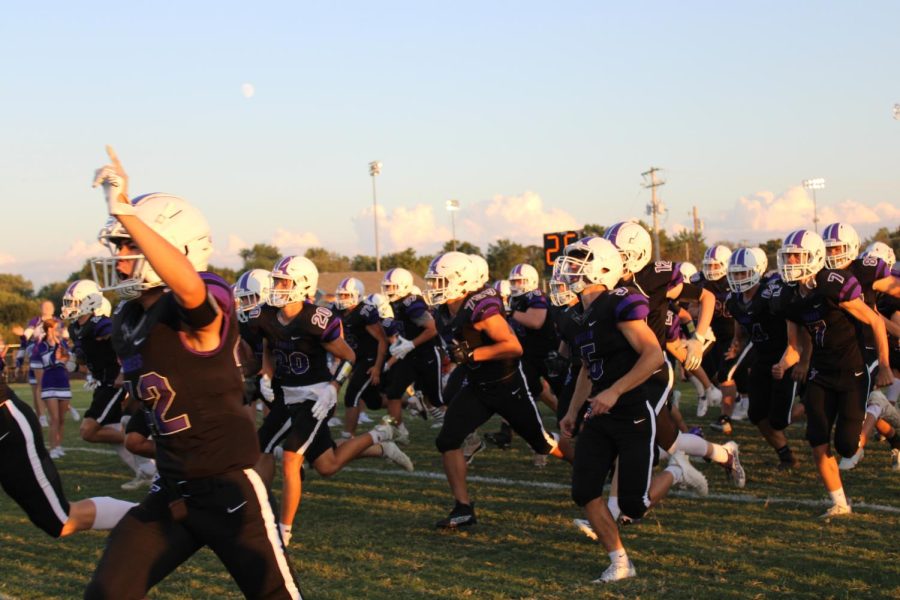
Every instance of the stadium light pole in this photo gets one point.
(452, 207)
(817, 183)
(374, 171)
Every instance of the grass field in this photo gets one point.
(368, 532)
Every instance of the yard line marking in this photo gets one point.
(549, 485)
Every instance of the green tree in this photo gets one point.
(771, 249)
(260, 256)
(503, 255)
(685, 246)
(226, 273)
(361, 262)
(327, 261)
(16, 308)
(593, 229)
(53, 292)
(406, 259)
(85, 272)
(16, 284)
(464, 247)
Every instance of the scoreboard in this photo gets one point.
(554, 243)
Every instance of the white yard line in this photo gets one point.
(548, 485)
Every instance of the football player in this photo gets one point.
(829, 304)
(364, 334)
(175, 336)
(751, 304)
(620, 353)
(30, 478)
(90, 330)
(251, 290)
(298, 336)
(416, 357)
(482, 343)
(662, 281)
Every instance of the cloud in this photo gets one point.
(521, 218)
(79, 251)
(767, 215)
(294, 242)
(228, 256)
(6, 259)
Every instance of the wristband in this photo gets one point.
(690, 328)
(342, 372)
(199, 316)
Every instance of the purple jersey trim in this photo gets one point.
(488, 307)
(536, 299)
(220, 292)
(103, 328)
(416, 308)
(882, 270)
(333, 330)
(851, 290)
(633, 307)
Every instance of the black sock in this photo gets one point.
(895, 441)
(785, 454)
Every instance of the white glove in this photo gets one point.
(401, 347)
(90, 384)
(324, 403)
(115, 185)
(265, 388)
(694, 356)
(72, 366)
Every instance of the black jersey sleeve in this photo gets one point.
(631, 305)
(838, 286)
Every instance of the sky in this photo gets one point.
(536, 116)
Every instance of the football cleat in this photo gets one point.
(741, 409)
(837, 510)
(462, 515)
(540, 460)
(335, 422)
(733, 466)
(723, 424)
(364, 417)
(616, 573)
(389, 429)
(396, 456)
(140, 481)
(584, 526)
(702, 405)
(76, 416)
(848, 464)
(713, 396)
(692, 478)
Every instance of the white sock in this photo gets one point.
(613, 505)
(677, 473)
(697, 385)
(838, 497)
(619, 557)
(127, 457)
(109, 511)
(690, 444)
(719, 454)
(146, 467)
(285, 531)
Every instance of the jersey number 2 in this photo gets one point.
(156, 390)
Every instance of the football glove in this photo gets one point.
(694, 356)
(115, 185)
(460, 353)
(401, 347)
(326, 400)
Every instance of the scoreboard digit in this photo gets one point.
(554, 243)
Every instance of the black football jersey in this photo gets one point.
(536, 343)
(605, 351)
(92, 343)
(407, 311)
(479, 306)
(654, 281)
(722, 323)
(355, 322)
(836, 346)
(761, 320)
(297, 352)
(194, 400)
(568, 326)
(888, 306)
(867, 270)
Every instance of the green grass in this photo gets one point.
(370, 535)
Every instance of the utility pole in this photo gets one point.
(655, 207)
(374, 171)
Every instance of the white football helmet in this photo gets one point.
(688, 270)
(481, 272)
(504, 290)
(81, 298)
(302, 275)
(523, 278)
(348, 293)
(382, 304)
(633, 243)
(105, 309)
(449, 277)
(715, 262)
(882, 251)
(560, 294)
(251, 290)
(841, 245)
(802, 255)
(591, 261)
(396, 284)
(179, 223)
(745, 268)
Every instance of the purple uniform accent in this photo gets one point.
(487, 307)
(673, 324)
(882, 270)
(633, 307)
(221, 293)
(830, 232)
(333, 330)
(794, 238)
(536, 299)
(416, 308)
(895, 270)
(103, 328)
(55, 378)
(612, 232)
(851, 290)
(282, 265)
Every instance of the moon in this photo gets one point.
(248, 90)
